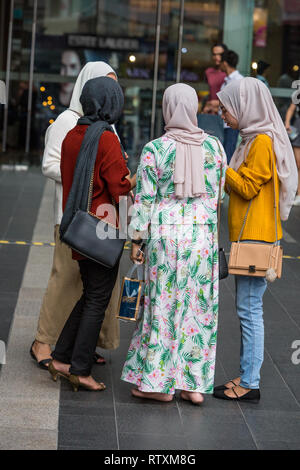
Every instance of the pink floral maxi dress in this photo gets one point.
(174, 343)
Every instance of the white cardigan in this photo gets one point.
(63, 124)
(54, 137)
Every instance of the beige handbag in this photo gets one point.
(257, 258)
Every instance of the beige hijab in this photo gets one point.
(251, 103)
(180, 107)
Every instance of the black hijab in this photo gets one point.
(102, 102)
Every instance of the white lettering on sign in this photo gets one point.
(103, 43)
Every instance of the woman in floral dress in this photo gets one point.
(174, 343)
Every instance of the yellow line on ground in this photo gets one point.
(126, 247)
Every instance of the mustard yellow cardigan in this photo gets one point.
(254, 179)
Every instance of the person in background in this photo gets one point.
(264, 154)
(229, 63)
(214, 75)
(65, 286)
(292, 110)
(262, 68)
(90, 148)
(286, 81)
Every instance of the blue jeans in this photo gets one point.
(230, 140)
(249, 306)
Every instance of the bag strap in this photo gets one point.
(139, 269)
(220, 186)
(275, 202)
(90, 196)
(275, 205)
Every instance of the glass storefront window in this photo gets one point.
(119, 33)
(276, 46)
(70, 33)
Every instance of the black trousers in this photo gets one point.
(78, 340)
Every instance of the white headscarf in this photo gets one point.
(90, 70)
(251, 103)
(180, 107)
(66, 121)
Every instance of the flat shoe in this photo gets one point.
(42, 364)
(223, 387)
(251, 397)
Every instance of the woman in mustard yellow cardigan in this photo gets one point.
(247, 105)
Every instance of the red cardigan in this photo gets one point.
(109, 175)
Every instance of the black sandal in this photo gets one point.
(42, 364)
(223, 387)
(97, 356)
(252, 397)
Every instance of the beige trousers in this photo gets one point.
(63, 291)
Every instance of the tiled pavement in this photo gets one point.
(35, 413)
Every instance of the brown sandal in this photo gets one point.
(76, 384)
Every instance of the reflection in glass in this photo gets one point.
(119, 33)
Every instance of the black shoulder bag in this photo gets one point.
(94, 238)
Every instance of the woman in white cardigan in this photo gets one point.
(64, 286)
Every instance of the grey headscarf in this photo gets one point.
(102, 102)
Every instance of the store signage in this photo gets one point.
(108, 43)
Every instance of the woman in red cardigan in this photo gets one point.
(102, 101)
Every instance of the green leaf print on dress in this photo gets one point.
(174, 343)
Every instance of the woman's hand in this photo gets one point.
(132, 180)
(288, 126)
(137, 257)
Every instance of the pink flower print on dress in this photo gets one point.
(204, 253)
(154, 375)
(163, 296)
(159, 172)
(149, 158)
(130, 376)
(203, 218)
(205, 353)
(173, 372)
(166, 334)
(153, 273)
(192, 331)
(207, 319)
